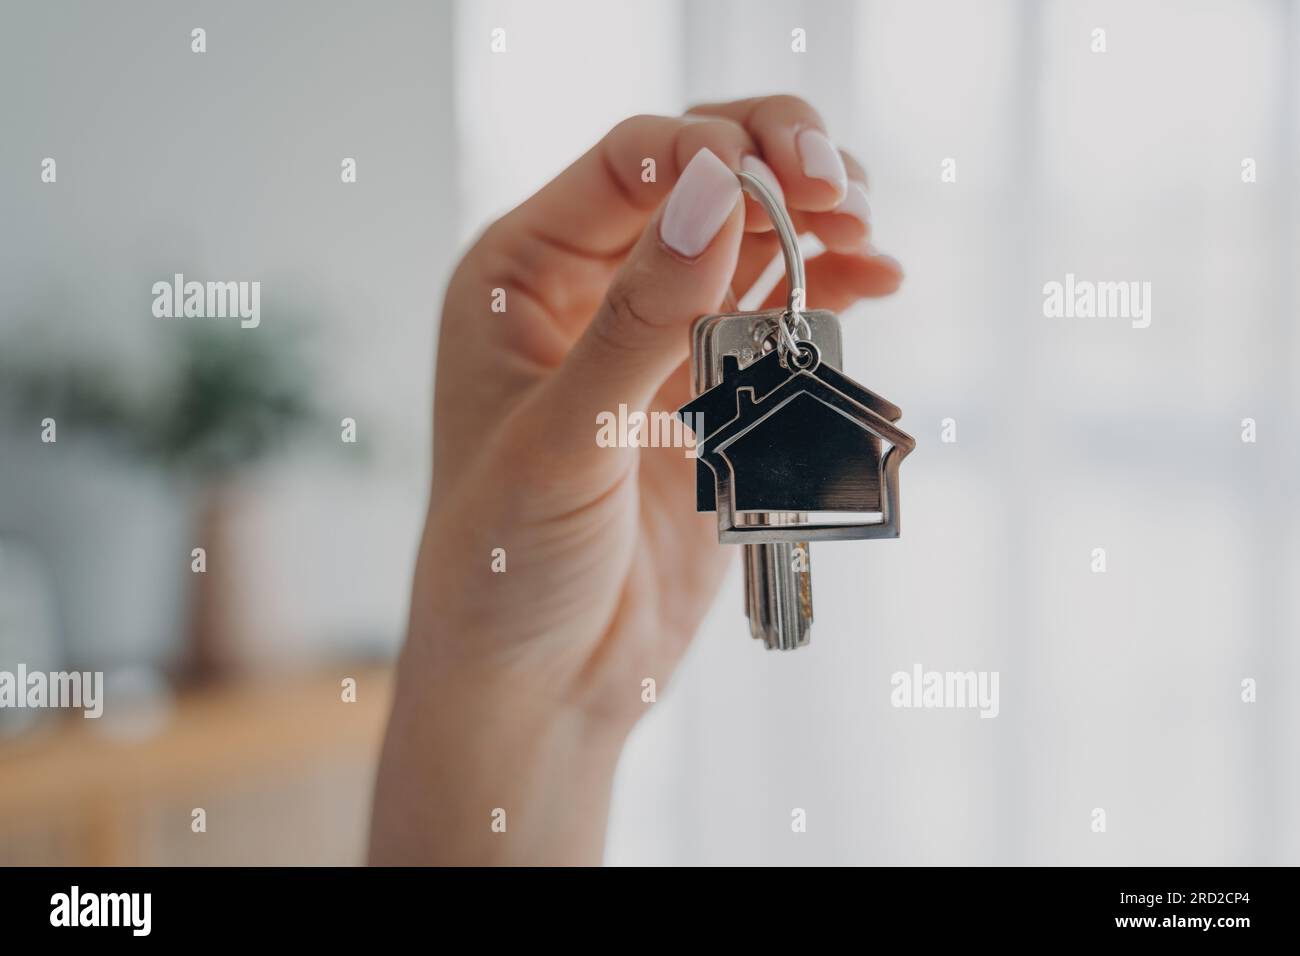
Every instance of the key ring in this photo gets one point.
(793, 256)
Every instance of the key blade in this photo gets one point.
(778, 589)
(778, 598)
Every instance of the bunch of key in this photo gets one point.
(782, 434)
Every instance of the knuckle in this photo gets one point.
(716, 129)
(626, 322)
(721, 135)
(714, 123)
(492, 242)
(787, 104)
(790, 102)
(632, 127)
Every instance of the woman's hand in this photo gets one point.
(517, 687)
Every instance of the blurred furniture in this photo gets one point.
(28, 624)
(284, 771)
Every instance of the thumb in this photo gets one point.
(680, 268)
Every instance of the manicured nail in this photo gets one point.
(821, 160)
(700, 203)
(855, 204)
(756, 167)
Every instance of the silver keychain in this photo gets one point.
(782, 433)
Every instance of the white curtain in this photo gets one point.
(1120, 691)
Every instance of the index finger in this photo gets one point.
(794, 142)
(599, 205)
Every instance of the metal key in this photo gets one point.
(764, 382)
(778, 580)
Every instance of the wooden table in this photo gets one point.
(283, 770)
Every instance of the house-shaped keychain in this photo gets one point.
(792, 434)
(785, 440)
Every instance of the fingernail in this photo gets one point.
(700, 203)
(756, 167)
(855, 204)
(821, 160)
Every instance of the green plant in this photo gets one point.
(225, 398)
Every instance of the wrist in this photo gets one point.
(490, 766)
